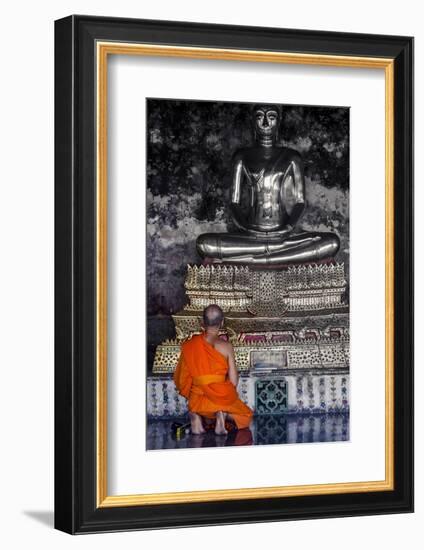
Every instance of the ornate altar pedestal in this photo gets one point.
(290, 332)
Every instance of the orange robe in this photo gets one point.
(201, 377)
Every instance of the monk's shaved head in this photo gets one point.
(212, 316)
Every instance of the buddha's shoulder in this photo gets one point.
(244, 154)
(289, 152)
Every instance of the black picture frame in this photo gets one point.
(76, 509)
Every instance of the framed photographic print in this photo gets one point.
(233, 274)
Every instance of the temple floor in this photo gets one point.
(264, 430)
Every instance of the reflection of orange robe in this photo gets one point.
(201, 377)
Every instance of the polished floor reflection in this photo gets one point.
(265, 430)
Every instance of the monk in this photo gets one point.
(207, 376)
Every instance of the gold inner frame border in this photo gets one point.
(103, 50)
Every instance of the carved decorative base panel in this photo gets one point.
(303, 349)
(302, 392)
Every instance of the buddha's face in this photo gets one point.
(266, 122)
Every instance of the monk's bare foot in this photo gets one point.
(220, 424)
(196, 424)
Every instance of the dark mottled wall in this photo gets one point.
(189, 150)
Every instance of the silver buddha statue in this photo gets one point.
(267, 200)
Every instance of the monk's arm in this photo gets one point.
(182, 378)
(232, 369)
